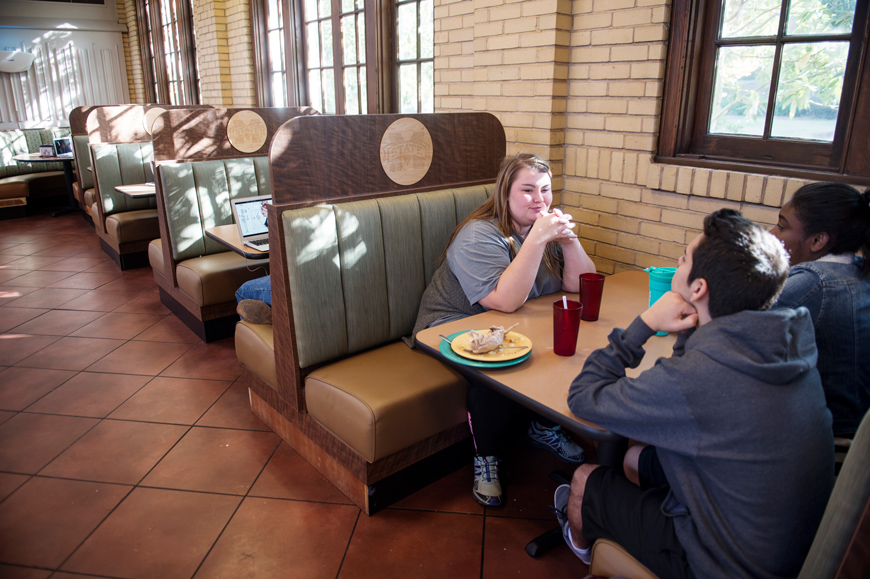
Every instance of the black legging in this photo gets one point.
(490, 415)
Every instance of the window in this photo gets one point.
(169, 53)
(334, 56)
(767, 83)
(415, 33)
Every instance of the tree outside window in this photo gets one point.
(766, 82)
(346, 56)
(167, 37)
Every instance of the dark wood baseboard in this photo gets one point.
(13, 212)
(207, 330)
(126, 261)
(371, 486)
(88, 219)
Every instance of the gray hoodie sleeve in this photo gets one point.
(651, 407)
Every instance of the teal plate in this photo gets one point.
(448, 353)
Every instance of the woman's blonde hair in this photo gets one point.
(497, 206)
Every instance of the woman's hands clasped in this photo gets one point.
(555, 226)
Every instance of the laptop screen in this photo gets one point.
(63, 147)
(252, 217)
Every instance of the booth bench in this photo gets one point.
(333, 377)
(198, 172)
(20, 182)
(121, 153)
(83, 188)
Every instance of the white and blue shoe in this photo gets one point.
(487, 488)
(560, 507)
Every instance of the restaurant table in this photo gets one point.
(67, 173)
(228, 235)
(138, 190)
(541, 382)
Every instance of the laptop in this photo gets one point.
(252, 220)
(63, 147)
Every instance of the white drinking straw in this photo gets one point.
(564, 302)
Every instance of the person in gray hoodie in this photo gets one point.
(739, 457)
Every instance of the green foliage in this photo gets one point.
(810, 75)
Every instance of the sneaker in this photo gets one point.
(560, 507)
(254, 311)
(487, 488)
(554, 440)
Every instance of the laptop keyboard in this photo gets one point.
(259, 242)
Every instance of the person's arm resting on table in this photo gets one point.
(518, 278)
(603, 394)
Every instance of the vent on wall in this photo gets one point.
(15, 61)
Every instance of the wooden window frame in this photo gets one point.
(396, 61)
(151, 20)
(381, 67)
(687, 93)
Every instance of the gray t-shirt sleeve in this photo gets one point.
(477, 257)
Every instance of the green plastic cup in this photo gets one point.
(659, 283)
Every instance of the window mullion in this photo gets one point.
(338, 58)
(294, 55)
(159, 57)
(775, 73)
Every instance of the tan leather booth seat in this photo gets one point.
(155, 256)
(14, 187)
(368, 405)
(44, 184)
(255, 348)
(132, 226)
(83, 188)
(124, 225)
(213, 279)
(385, 400)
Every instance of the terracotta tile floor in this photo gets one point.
(128, 450)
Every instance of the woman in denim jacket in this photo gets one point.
(823, 227)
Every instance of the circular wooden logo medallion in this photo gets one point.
(247, 131)
(149, 117)
(406, 151)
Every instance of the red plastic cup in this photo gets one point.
(591, 288)
(566, 325)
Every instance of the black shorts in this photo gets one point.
(615, 508)
(649, 469)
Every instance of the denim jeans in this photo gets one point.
(838, 298)
(256, 289)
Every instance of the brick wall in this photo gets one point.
(225, 53)
(132, 54)
(510, 58)
(226, 74)
(241, 54)
(591, 107)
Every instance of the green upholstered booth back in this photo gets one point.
(82, 153)
(17, 141)
(357, 270)
(122, 164)
(197, 196)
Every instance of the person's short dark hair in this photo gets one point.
(744, 265)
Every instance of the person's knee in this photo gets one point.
(631, 461)
(578, 481)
